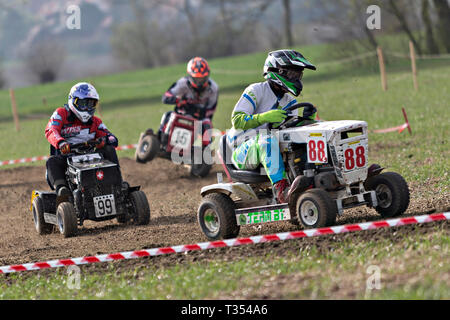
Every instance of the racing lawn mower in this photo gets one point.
(183, 139)
(327, 167)
(98, 194)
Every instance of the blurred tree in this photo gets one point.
(237, 18)
(190, 14)
(287, 22)
(140, 47)
(139, 42)
(443, 13)
(44, 60)
(349, 17)
(400, 10)
(2, 79)
(431, 44)
(12, 18)
(185, 8)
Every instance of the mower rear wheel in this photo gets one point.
(392, 193)
(200, 170)
(38, 216)
(141, 207)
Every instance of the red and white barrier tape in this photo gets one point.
(226, 243)
(34, 159)
(23, 160)
(397, 128)
(127, 147)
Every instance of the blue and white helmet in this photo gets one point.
(83, 99)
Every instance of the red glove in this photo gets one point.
(100, 142)
(180, 103)
(64, 147)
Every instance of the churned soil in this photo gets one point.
(174, 197)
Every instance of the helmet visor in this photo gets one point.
(86, 104)
(292, 75)
(199, 81)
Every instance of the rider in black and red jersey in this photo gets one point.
(75, 123)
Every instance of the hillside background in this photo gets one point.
(36, 45)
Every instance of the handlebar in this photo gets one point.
(195, 110)
(82, 147)
(90, 143)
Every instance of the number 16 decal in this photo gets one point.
(354, 157)
(317, 148)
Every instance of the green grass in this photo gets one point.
(408, 262)
(131, 103)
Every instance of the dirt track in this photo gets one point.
(173, 196)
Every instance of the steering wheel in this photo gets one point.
(195, 110)
(292, 121)
(83, 147)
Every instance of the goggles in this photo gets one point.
(199, 81)
(86, 104)
(290, 74)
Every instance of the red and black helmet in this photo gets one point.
(198, 71)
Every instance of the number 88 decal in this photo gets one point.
(317, 150)
(355, 157)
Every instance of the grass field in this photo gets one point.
(408, 261)
(131, 103)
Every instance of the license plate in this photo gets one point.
(181, 138)
(262, 216)
(104, 206)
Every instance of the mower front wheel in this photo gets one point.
(147, 148)
(216, 217)
(316, 209)
(66, 219)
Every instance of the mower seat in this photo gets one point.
(245, 176)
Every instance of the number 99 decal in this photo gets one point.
(354, 157)
(104, 206)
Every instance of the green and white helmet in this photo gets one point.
(285, 68)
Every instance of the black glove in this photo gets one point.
(308, 112)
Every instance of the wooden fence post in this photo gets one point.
(382, 69)
(413, 65)
(14, 109)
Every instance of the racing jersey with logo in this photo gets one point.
(64, 125)
(258, 98)
(183, 90)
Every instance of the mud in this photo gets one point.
(173, 196)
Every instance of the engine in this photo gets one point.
(326, 180)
